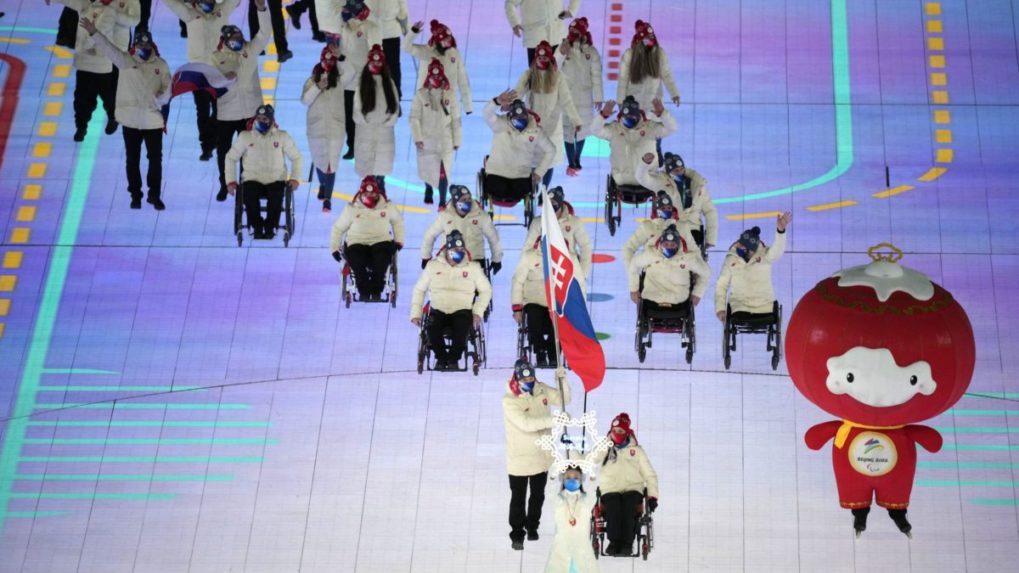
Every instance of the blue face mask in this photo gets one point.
(629, 121)
(207, 7)
(457, 256)
(527, 386)
(669, 252)
(463, 207)
(235, 45)
(144, 53)
(665, 213)
(262, 127)
(519, 123)
(571, 484)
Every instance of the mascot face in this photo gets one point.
(880, 345)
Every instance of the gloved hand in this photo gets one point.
(424, 263)
(652, 504)
(337, 256)
(495, 268)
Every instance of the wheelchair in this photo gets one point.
(526, 350)
(289, 219)
(644, 529)
(679, 321)
(489, 202)
(770, 324)
(348, 288)
(474, 357)
(617, 195)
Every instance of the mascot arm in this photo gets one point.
(817, 436)
(926, 436)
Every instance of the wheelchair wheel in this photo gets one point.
(288, 210)
(239, 216)
(393, 275)
(610, 216)
(528, 211)
(240, 238)
(641, 353)
(286, 239)
(644, 550)
(691, 336)
(776, 356)
(726, 335)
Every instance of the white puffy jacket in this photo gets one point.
(375, 139)
(435, 121)
(540, 19)
(263, 157)
(628, 470)
(650, 178)
(475, 226)
(582, 69)
(452, 63)
(649, 231)
(359, 225)
(516, 153)
(138, 86)
(243, 98)
(356, 39)
(528, 280)
(571, 546)
(749, 283)
(203, 29)
(388, 14)
(628, 146)
(553, 108)
(326, 120)
(526, 419)
(650, 88)
(575, 234)
(452, 287)
(88, 58)
(667, 281)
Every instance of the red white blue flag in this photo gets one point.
(566, 303)
(194, 77)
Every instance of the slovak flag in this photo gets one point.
(194, 77)
(566, 303)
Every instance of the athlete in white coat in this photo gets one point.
(376, 109)
(547, 93)
(442, 46)
(435, 127)
(689, 191)
(667, 274)
(359, 32)
(539, 21)
(643, 71)
(528, 298)
(144, 77)
(526, 418)
(632, 134)
(625, 472)
(464, 214)
(368, 232)
(391, 16)
(236, 58)
(460, 293)
(323, 94)
(577, 239)
(746, 273)
(571, 546)
(583, 72)
(648, 232)
(521, 151)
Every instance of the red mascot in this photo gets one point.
(881, 347)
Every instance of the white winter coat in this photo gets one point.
(749, 283)
(650, 178)
(452, 64)
(359, 225)
(388, 14)
(572, 541)
(516, 153)
(243, 98)
(435, 121)
(650, 88)
(628, 146)
(375, 140)
(667, 281)
(452, 287)
(356, 40)
(628, 470)
(139, 84)
(554, 109)
(263, 157)
(582, 69)
(529, 281)
(203, 29)
(575, 234)
(326, 120)
(649, 231)
(87, 57)
(526, 419)
(540, 19)
(476, 226)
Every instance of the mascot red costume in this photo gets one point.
(881, 347)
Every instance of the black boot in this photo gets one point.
(295, 10)
(899, 517)
(860, 520)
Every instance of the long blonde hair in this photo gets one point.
(644, 63)
(543, 81)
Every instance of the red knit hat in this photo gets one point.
(643, 31)
(440, 32)
(622, 421)
(544, 49)
(579, 29)
(376, 59)
(436, 70)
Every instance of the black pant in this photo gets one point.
(391, 47)
(67, 28)
(88, 88)
(530, 54)
(539, 328)
(519, 519)
(573, 152)
(674, 312)
(459, 323)
(621, 517)
(153, 140)
(146, 13)
(348, 109)
(279, 28)
(253, 192)
(370, 263)
(225, 130)
(508, 190)
(205, 108)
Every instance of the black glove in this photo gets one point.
(336, 255)
(495, 268)
(424, 263)
(652, 504)
(399, 247)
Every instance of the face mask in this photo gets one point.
(519, 123)
(650, 42)
(446, 42)
(262, 127)
(743, 253)
(463, 207)
(629, 121)
(665, 213)
(375, 68)
(669, 252)
(557, 207)
(571, 484)
(457, 256)
(369, 200)
(207, 7)
(527, 386)
(143, 53)
(235, 45)
(618, 439)
(363, 14)
(435, 82)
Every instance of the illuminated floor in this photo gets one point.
(201, 407)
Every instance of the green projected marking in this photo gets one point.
(146, 424)
(145, 406)
(123, 477)
(968, 465)
(93, 495)
(154, 389)
(143, 459)
(142, 441)
(963, 430)
(993, 501)
(966, 482)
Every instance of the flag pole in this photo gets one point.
(550, 297)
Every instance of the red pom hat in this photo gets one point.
(376, 59)
(544, 49)
(440, 32)
(437, 75)
(578, 30)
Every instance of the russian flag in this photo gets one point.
(566, 303)
(195, 77)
